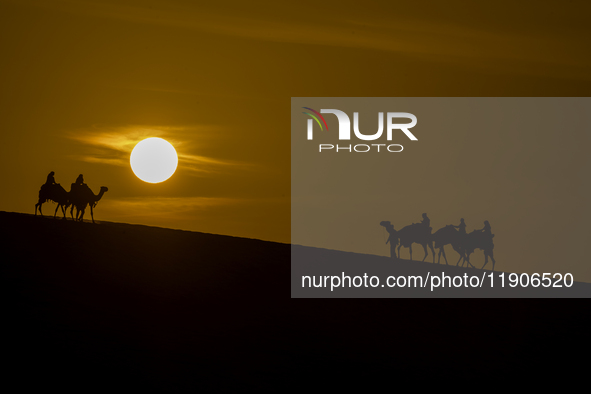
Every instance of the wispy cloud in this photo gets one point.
(181, 208)
(168, 207)
(409, 35)
(184, 211)
(112, 146)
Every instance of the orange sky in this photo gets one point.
(83, 81)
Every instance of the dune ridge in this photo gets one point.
(97, 305)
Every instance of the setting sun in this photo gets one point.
(153, 160)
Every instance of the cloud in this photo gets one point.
(165, 206)
(112, 146)
(411, 35)
(182, 209)
(162, 210)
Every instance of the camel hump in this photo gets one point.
(408, 228)
(416, 230)
(478, 239)
(84, 188)
(414, 226)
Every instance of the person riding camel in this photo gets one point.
(486, 232)
(50, 179)
(461, 227)
(486, 229)
(76, 186)
(49, 183)
(426, 221)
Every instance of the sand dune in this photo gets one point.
(121, 305)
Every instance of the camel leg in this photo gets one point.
(467, 260)
(410, 249)
(461, 257)
(38, 205)
(399, 246)
(485, 260)
(493, 259)
(72, 212)
(91, 213)
(439, 256)
(426, 253)
(443, 250)
(432, 251)
(56, 208)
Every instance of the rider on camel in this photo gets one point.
(486, 229)
(50, 182)
(426, 221)
(50, 179)
(461, 227)
(78, 185)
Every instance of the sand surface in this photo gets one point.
(130, 306)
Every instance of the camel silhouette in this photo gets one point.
(81, 196)
(392, 239)
(406, 236)
(449, 235)
(479, 240)
(55, 193)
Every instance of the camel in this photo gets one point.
(392, 239)
(54, 193)
(414, 233)
(449, 235)
(479, 240)
(81, 196)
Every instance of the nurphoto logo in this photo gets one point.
(345, 130)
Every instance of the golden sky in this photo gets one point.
(83, 81)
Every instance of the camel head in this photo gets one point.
(100, 195)
(388, 226)
(452, 228)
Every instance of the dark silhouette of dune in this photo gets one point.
(130, 306)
